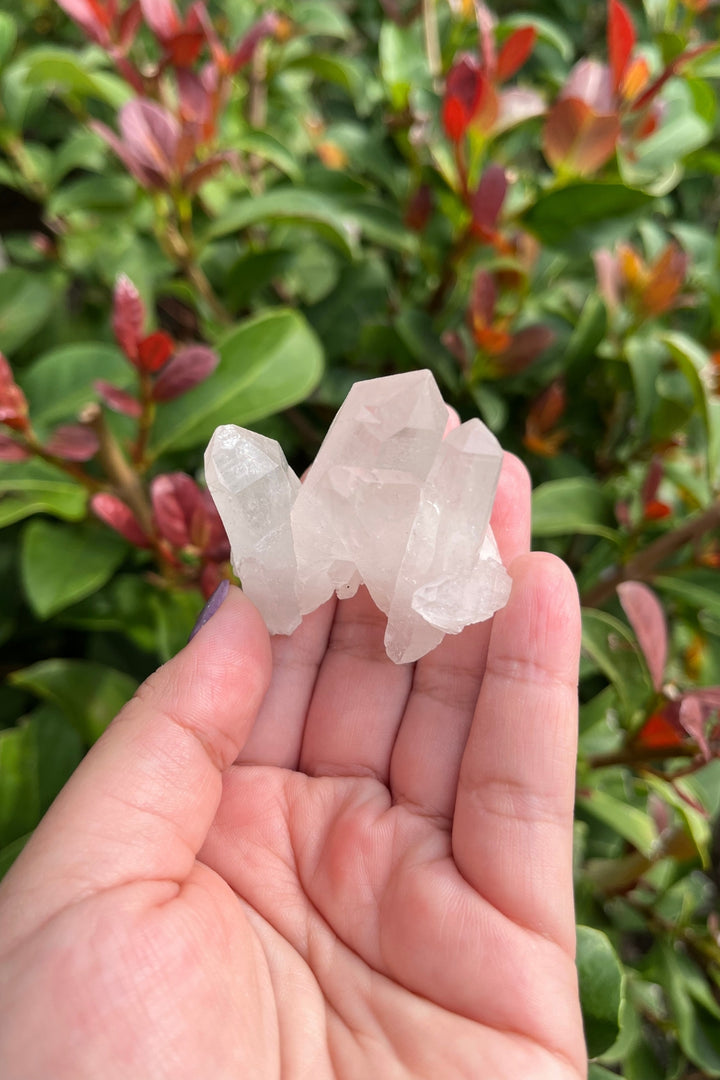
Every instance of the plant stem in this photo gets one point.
(145, 422)
(432, 40)
(646, 564)
(642, 755)
(119, 471)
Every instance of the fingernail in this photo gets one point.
(211, 607)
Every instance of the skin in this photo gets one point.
(293, 858)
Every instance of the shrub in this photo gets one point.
(213, 217)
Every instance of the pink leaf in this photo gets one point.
(11, 450)
(177, 501)
(693, 717)
(115, 513)
(608, 277)
(161, 17)
(190, 366)
(217, 546)
(151, 135)
(516, 106)
(577, 139)
(116, 399)
(488, 199)
(647, 618)
(128, 316)
(591, 82)
(73, 442)
(265, 27)
(93, 16)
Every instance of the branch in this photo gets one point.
(646, 564)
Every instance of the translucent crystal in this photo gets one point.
(388, 503)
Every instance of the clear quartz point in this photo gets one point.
(388, 503)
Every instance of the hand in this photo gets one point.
(363, 870)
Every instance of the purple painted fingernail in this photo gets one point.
(211, 607)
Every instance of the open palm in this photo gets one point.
(362, 870)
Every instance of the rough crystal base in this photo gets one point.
(388, 503)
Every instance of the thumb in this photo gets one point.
(140, 804)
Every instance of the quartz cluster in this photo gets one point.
(388, 503)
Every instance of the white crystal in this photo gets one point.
(388, 503)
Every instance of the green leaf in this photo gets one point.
(294, 206)
(614, 648)
(403, 64)
(265, 146)
(323, 19)
(59, 383)
(9, 854)
(633, 824)
(696, 588)
(601, 979)
(67, 502)
(693, 360)
(89, 694)
(61, 564)
(590, 330)
(32, 487)
(696, 824)
(266, 364)
(26, 300)
(572, 505)
(8, 36)
(698, 1030)
(36, 758)
(64, 69)
(93, 193)
(645, 357)
(557, 216)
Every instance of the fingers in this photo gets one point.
(512, 831)
(358, 699)
(431, 740)
(141, 803)
(276, 737)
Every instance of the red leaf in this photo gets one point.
(577, 139)
(525, 347)
(11, 450)
(13, 405)
(515, 52)
(177, 503)
(130, 21)
(483, 299)
(210, 577)
(621, 40)
(116, 399)
(656, 510)
(119, 517)
(464, 91)
(154, 351)
(128, 317)
(190, 366)
(661, 731)
(647, 618)
(419, 208)
(73, 442)
(653, 479)
(487, 201)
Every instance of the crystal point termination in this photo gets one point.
(388, 503)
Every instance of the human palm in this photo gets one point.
(361, 871)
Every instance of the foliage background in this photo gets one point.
(230, 214)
